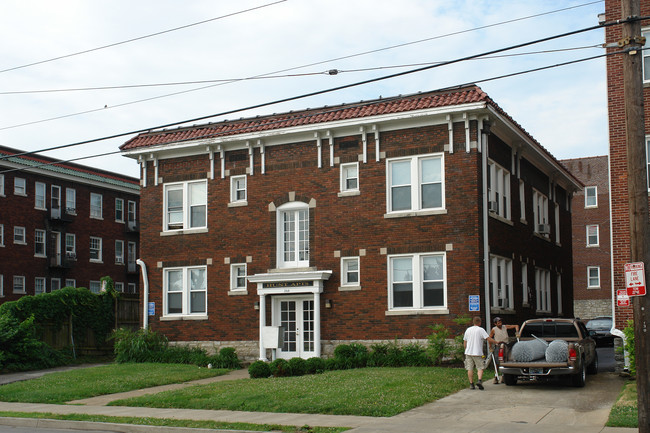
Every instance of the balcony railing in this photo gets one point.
(65, 261)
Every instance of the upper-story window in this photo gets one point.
(522, 201)
(39, 195)
(39, 243)
(19, 235)
(417, 281)
(501, 282)
(540, 213)
(20, 186)
(2, 235)
(185, 205)
(70, 246)
(119, 210)
(593, 277)
(543, 289)
(95, 205)
(499, 190)
(2, 185)
(591, 196)
(119, 252)
(238, 276)
(71, 201)
(130, 212)
(350, 177)
(238, 189)
(592, 235)
(416, 183)
(19, 284)
(293, 235)
(646, 56)
(95, 249)
(185, 291)
(350, 272)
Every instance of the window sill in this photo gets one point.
(415, 213)
(237, 292)
(499, 310)
(16, 292)
(39, 208)
(238, 203)
(592, 246)
(523, 221)
(97, 261)
(349, 288)
(500, 218)
(349, 193)
(540, 236)
(119, 221)
(172, 318)
(20, 243)
(594, 288)
(184, 232)
(96, 218)
(40, 256)
(20, 194)
(416, 312)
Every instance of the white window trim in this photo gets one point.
(234, 288)
(17, 191)
(24, 241)
(524, 284)
(543, 290)
(43, 233)
(100, 251)
(119, 258)
(120, 219)
(2, 235)
(20, 278)
(645, 32)
(95, 283)
(522, 201)
(2, 187)
(589, 269)
(69, 282)
(501, 266)
(540, 212)
(40, 205)
(54, 282)
(186, 209)
(558, 288)
(94, 212)
(587, 205)
(499, 190)
(71, 199)
(345, 284)
(417, 307)
(73, 251)
(344, 191)
(131, 288)
(291, 207)
(415, 185)
(185, 293)
(557, 223)
(597, 244)
(234, 181)
(42, 280)
(2, 286)
(119, 287)
(130, 204)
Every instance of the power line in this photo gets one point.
(332, 89)
(140, 37)
(328, 72)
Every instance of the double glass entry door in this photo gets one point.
(297, 319)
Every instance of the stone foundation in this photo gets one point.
(591, 308)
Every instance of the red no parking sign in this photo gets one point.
(635, 279)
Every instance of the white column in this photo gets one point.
(262, 323)
(317, 343)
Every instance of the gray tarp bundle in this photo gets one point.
(537, 349)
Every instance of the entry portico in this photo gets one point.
(295, 307)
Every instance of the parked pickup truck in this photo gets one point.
(580, 359)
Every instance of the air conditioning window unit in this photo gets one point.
(70, 255)
(119, 260)
(493, 206)
(543, 229)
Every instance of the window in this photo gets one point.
(19, 235)
(238, 276)
(185, 291)
(543, 289)
(417, 281)
(20, 186)
(71, 201)
(2, 286)
(593, 277)
(592, 235)
(131, 212)
(19, 284)
(501, 282)
(557, 223)
(185, 205)
(131, 287)
(131, 255)
(39, 243)
(2, 185)
(95, 286)
(646, 57)
(350, 271)
(416, 183)
(2, 235)
(95, 249)
(119, 210)
(499, 190)
(350, 177)
(95, 205)
(70, 246)
(647, 139)
(293, 235)
(39, 195)
(55, 284)
(540, 213)
(119, 252)
(238, 189)
(70, 283)
(558, 287)
(119, 287)
(524, 283)
(39, 285)
(591, 196)
(522, 200)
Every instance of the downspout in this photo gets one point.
(486, 244)
(145, 295)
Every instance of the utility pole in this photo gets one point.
(637, 193)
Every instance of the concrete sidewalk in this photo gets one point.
(524, 408)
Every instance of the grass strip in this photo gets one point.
(381, 392)
(625, 412)
(59, 388)
(167, 422)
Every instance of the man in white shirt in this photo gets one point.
(473, 343)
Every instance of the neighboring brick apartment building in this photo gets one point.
(64, 224)
(592, 279)
(360, 222)
(617, 146)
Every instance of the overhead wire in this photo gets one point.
(319, 92)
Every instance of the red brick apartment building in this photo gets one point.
(359, 222)
(617, 146)
(592, 280)
(64, 224)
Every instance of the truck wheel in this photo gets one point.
(579, 379)
(510, 379)
(593, 367)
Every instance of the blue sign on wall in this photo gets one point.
(151, 308)
(474, 303)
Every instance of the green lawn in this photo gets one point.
(110, 379)
(625, 411)
(367, 391)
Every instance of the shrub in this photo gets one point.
(332, 364)
(20, 350)
(298, 366)
(315, 365)
(379, 355)
(259, 370)
(415, 355)
(353, 355)
(280, 368)
(438, 346)
(227, 358)
(139, 346)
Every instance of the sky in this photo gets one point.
(250, 52)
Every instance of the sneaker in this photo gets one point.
(496, 381)
(479, 384)
(471, 386)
